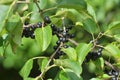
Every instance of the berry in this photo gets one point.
(69, 27)
(59, 30)
(55, 47)
(32, 36)
(33, 27)
(65, 46)
(58, 42)
(113, 78)
(64, 34)
(47, 19)
(26, 23)
(72, 35)
(64, 39)
(39, 25)
(100, 50)
(60, 38)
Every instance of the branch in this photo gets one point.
(49, 9)
(110, 65)
(74, 42)
(51, 58)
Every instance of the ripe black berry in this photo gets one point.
(47, 19)
(65, 46)
(64, 33)
(58, 42)
(39, 25)
(26, 23)
(72, 35)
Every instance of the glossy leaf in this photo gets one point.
(25, 71)
(71, 53)
(113, 50)
(43, 37)
(73, 65)
(82, 50)
(90, 25)
(76, 4)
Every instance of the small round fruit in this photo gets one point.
(47, 19)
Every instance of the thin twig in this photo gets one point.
(45, 10)
(109, 64)
(51, 58)
(74, 42)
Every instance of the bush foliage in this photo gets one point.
(60, 39)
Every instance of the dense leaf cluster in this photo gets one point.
(60, 39)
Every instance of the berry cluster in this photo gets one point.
(63, 36)
(93, 55)
(29, 31)
(113, 73)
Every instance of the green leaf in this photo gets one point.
(113, 29)
(91, 11)
(71, 53)
(6, 1)
(43, 3)
(43, 37)
(76, 4)
(29, 78)
(113, 50)
(3, 13)
(114, 24)
(1, 41)
(82, 50)
(68, 74)
(25, 71)
(99, 63)
(6, 12)
(117, 37)
(14, 29)
(67, 63)
(42, 63)
(90, 25)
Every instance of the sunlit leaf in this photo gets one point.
(25, 71)
(73, 65)
(71, 53)
(82, 50)
(90, 25)
(42, 63)
(113, 50)
(43, 37)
